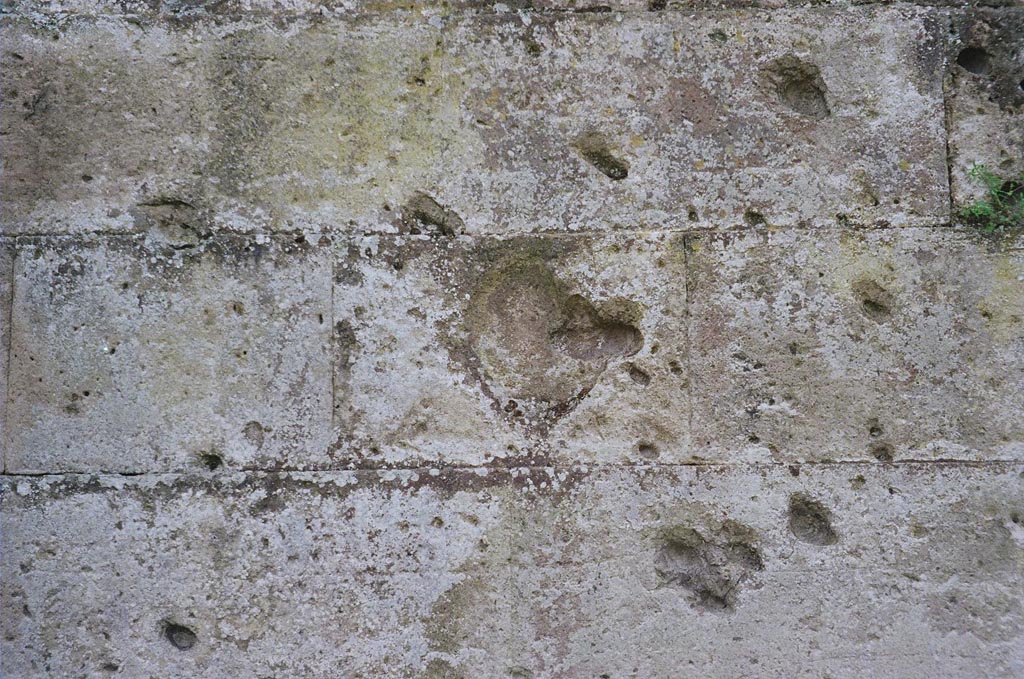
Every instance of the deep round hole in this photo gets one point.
(973, 60)
(212, 461)
(883, 452)
(181, 637)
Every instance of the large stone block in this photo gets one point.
(986, 100)
(858, 344)
(674, 572)
(344, 575)
(187, 12)
(707, 119)
(515, 122)
(97, 117)
(140, 355)
(819, 570)
(6, 294)
(467, 351)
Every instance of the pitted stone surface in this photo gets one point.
(859, 344)
(137, 355)
(6, 285)
(548, 339)
(343, 575)
(891, 596)
(473, 351)
(448, 573)
(987, 98)
(630, 348)
(795, 116)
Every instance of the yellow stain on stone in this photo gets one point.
(366, 126)
(1003, 307)
(858, 259)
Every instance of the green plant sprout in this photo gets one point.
(1002, 207)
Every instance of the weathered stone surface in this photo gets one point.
(326, 576)
(469, 351)
(543, 339)
(188, 12)
(722, 118)
(923, 579)
(6, 280)
(890, 344)
(542, 573)
(986, 99)
(136, 355)
(96, 118)
(513, 122)
(798, 346)
(629, 348)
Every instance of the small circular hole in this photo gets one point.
(211, 461)
(974, 60)
(181, 637)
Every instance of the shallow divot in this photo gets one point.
(172, 220)
(421, 213)
(254, 433)
(179, 636)
(799, 86)
(810, 521)
(710, 568)
(883, 452)
(594, 149)
(638, 375)
(539, 346)
(875, 301)
(647, 451)
(754, 218)
(584, 333)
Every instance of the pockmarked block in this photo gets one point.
(258, 125)
(644, 120)
(855, 569)
(170, 10)
(889, 344)
(141, 355)
(986, 102)
(511, 122)
(98, 115)
(6, 285)
(473, 351)
(346, 574)
(849, 570)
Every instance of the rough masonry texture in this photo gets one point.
(529, 340)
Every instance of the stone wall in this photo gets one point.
(526, 340)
